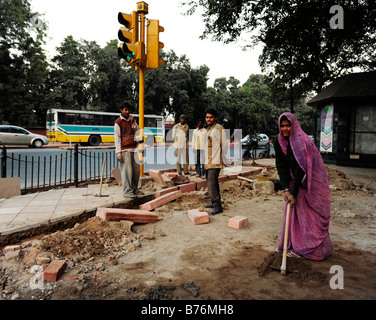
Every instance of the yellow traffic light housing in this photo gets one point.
(132, 50)
(153, 45)
(134, 54)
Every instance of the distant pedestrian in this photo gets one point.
(198, 146)
(180, 136)
(125, 129)
(216, 148)
(304, 179)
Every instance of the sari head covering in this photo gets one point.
(312, 210)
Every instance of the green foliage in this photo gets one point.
(83, 75)
(299, 47)
(23, 66)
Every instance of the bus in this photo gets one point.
(93, 127)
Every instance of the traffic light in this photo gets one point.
(132, 50)
(153, 45)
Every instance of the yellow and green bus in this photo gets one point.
(93, 127)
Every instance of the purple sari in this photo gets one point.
(310, 216)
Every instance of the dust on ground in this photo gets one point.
(173, 259)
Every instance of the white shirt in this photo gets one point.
(117, 133)
(199, 139)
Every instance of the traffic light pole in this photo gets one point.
(141, 101)
(133, 51)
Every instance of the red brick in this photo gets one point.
(167, 170)
(187, 187)
(248, 172)
(231, 175)
(198, 217)
(165, 191)
(11, 248)
(156, 175)
(201, 184)
(238, 222)
(117, 175)
(136, 216)
(246, 179)
(222, 178)
(54, 270)
(151, 205)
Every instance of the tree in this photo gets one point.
(23, 66)
(68, 77)
(177, 88)
(300, 50)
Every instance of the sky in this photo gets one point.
(96, 20)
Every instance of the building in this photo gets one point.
(346, 120)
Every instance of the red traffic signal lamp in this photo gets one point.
(132, 50)
(153, 45)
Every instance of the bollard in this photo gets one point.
(75, 157)
(4, 162)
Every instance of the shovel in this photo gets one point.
(100, 187)
(284, 256)
(276, 264)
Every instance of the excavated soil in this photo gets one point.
(173, 259)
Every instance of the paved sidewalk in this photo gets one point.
(30, 211)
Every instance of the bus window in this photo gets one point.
(109, 120)
(96, 119)
(50, 117)
(150, 122)
(83, 119)
(66, 118)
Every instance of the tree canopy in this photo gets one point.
(83, 75)
(300, 47)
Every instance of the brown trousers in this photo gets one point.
(213, 186)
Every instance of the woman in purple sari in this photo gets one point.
(305, 182)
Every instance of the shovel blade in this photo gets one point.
(102, 195)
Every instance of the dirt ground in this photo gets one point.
(173, 259)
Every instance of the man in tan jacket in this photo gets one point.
(216, 148)
(180, 136)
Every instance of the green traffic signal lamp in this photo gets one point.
(134, 54)
(125, 53)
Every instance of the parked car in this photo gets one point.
(262, 138)
(13, 135)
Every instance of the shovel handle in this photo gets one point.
(285, 240)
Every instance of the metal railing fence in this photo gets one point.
(69, 168)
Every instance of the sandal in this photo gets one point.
(292, 254)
